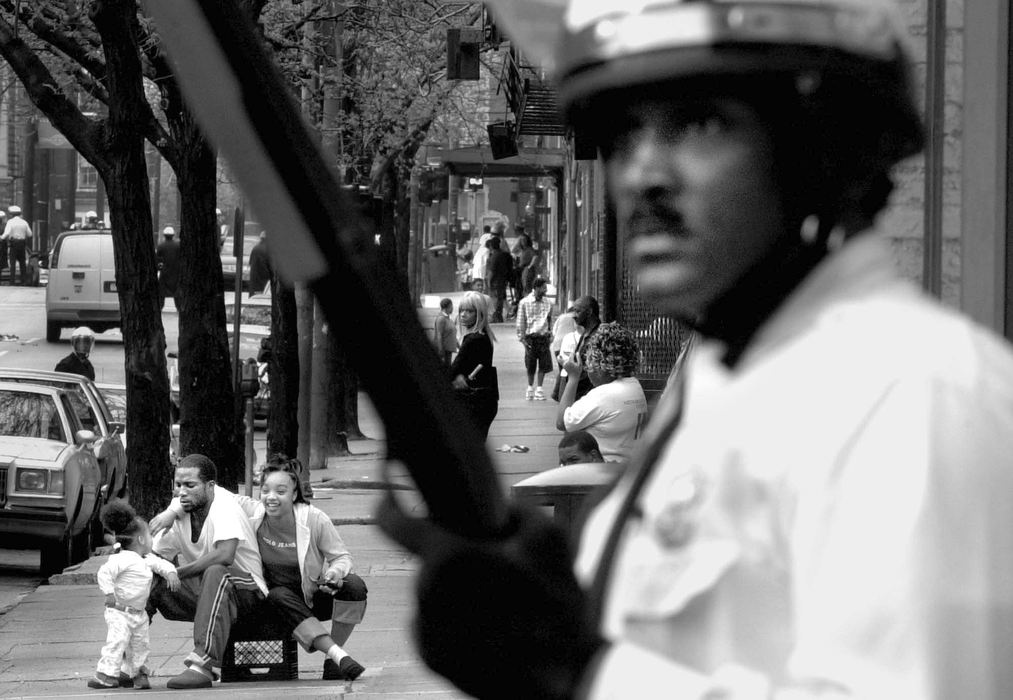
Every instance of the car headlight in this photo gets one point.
(39, 481)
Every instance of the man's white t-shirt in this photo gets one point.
(614, 413)
(225, 521)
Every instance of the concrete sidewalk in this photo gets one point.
(50, 641)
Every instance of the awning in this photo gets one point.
(478, 161)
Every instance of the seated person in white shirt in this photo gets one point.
(615, 410)
(219, 568)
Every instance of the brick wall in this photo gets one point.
(904, 220)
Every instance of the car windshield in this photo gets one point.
(78, 399)
(248, 243)
(249, 315)
(116, 400)
(26, 414)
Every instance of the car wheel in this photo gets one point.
(53, 329)
(58, 555)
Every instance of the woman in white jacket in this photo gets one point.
(307, 567)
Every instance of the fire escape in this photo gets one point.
(530, 98)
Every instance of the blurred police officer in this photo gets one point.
(828, 516)
(17, 234)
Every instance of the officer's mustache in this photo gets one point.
(654, 218)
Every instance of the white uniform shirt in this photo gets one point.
(479, 262)
(16, 229)
(225, 521)
(832, 515)
(614, 413)
(127, 575)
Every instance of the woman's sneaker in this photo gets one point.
(528, 394)
(539, 395)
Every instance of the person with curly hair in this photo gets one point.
(615, 410)
(125, 579)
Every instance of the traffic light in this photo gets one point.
(463, 45)
(433, 186)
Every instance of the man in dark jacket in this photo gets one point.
(260, 265)
(77, 362)
(498, 269)
(167, 255)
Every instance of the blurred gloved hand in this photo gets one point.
(500, 618)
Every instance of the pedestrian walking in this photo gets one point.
(17, 234)
(472, 373)
(827, 515)
(499, 267)
(125, 579)
(444, 333)
(260, 265)
(587, 315)
(167, 257)
(534, 330)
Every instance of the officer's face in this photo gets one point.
(695, 195)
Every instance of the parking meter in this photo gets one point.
(249, 381)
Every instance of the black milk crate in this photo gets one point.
(260, 652)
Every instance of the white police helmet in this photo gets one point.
(14, 210)
(82, 339)
(168, 232)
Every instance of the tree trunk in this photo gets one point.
(208, 422)
(283, 373)
(124, 172)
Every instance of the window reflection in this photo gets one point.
(25, 414)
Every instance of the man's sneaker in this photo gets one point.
(140, 681)
(101, 680)
(529, 394)
(190, 679)
(348, 669)
(539, 396)
(126, 681)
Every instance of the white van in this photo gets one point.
(82, 283)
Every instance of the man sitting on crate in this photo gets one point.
(219, 568)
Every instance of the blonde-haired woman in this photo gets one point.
(472, 372)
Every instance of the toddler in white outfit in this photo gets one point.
(126, 580)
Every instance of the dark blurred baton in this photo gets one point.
(245, 108)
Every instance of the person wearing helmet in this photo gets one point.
(17, 234)
(167, 257)
(91, 220)
(819, 508)
(82, 340)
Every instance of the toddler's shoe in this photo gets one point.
(102, 681)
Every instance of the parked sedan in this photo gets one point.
(115, 396)
(94, 414)
(50, 482)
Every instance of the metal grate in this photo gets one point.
(660, 338)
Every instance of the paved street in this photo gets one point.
(49, 642)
